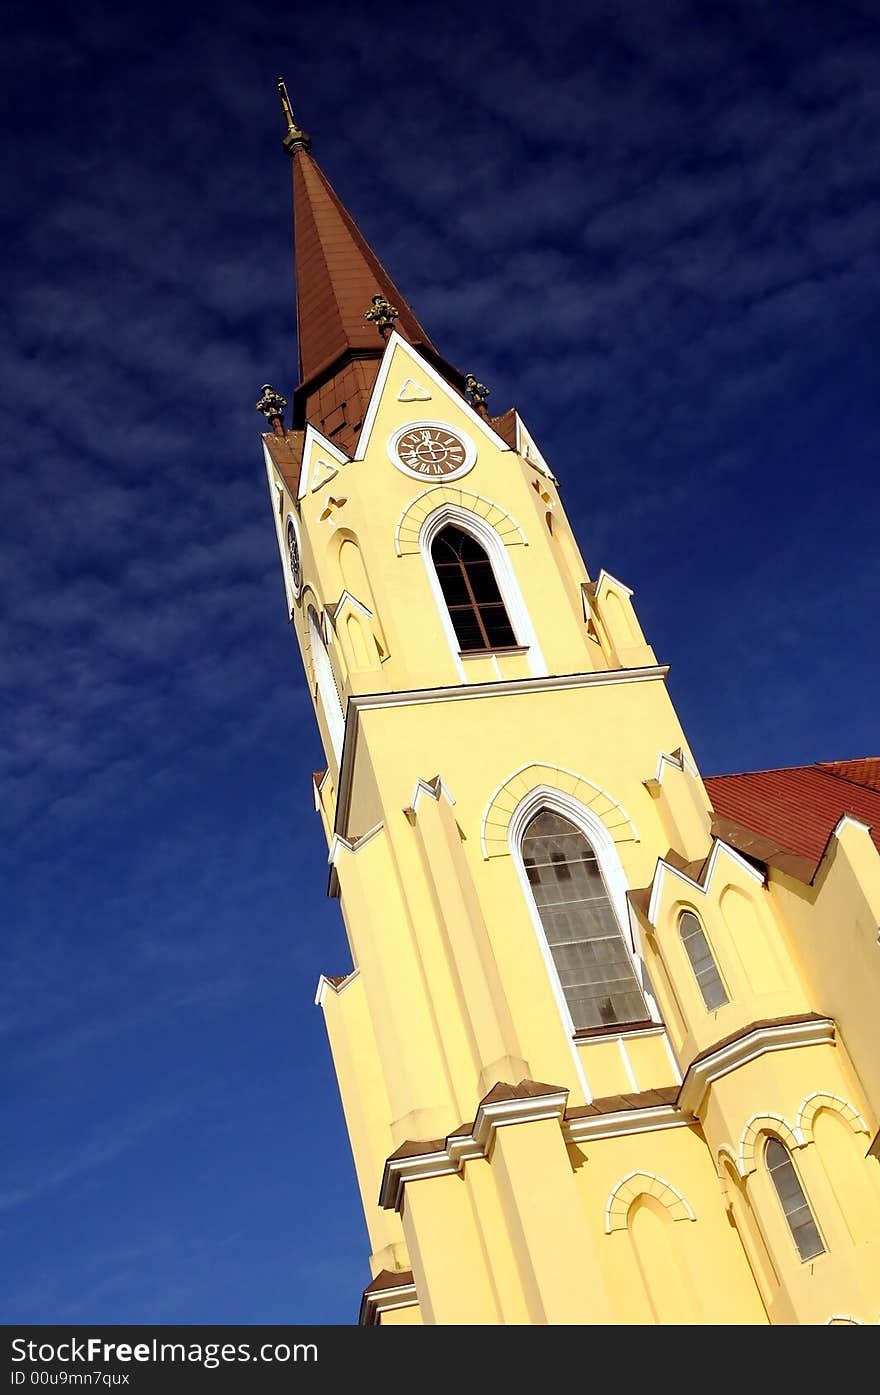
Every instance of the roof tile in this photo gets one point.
(337, 274)
(798, 807)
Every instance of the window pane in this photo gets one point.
(466, 624)
(497, 626)
(483, 583)
(594, 966)
(471, 592)
(795, 1206)
(453, 583)
(702, 963)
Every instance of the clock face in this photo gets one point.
(430, 450)
(293, 557)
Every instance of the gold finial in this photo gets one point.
(294, 135)
(477, 392)
(383, 314)
(272, 405)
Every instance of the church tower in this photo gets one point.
(581, 1064)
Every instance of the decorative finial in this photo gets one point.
(477, 392)
(272, 405)
(294, 135)
(383, 314)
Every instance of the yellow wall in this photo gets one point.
(453, 992)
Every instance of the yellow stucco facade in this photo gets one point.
(512, 1168)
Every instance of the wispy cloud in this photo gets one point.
(101, 1148)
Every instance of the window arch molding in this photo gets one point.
(495, 826)
(493, 546)
(821, 1099)
(757, 1130)
(637, 1184)
(602, 842)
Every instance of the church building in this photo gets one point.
(607, 1045)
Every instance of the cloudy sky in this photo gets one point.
(654, 227)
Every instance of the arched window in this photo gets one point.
(470, 590)
(327, 689)
(704, 966)
(595, 970)
(795, 1206)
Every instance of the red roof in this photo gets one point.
(799, 806)
(862, 772)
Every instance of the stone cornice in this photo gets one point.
(505, 1105)
(529, 1101)
(748, 1045)
(495, 1114)
(387, 1292)
(525, 1103)
(624, 1121)
(468, 692)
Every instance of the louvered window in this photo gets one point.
(476, 608)
(804, 1230)
(592, 961)
(326, 681)
(704, 966)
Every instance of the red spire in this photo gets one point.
(337, 278)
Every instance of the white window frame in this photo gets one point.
(602, 843)
(689, 910)
(491, 542)
(802, 1259)
(325, 678)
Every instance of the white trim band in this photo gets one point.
(748, 1047)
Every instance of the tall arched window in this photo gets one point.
(470, 590)
(327, 689)
(583, 934)
(704, 966)
(795, 1206)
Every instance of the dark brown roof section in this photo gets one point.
(526, 1089)
(764, 850)
(388, 1278)
(505, 427)
(694, 870)
(640, 897)
(386, 1281)
(337, 275)
(286, 452)
(758, 1026)
(614, 1104)
(416, 1147)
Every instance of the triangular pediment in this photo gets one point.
(401, 362)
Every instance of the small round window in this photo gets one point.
(293, 557)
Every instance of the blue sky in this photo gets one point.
(652, 227)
